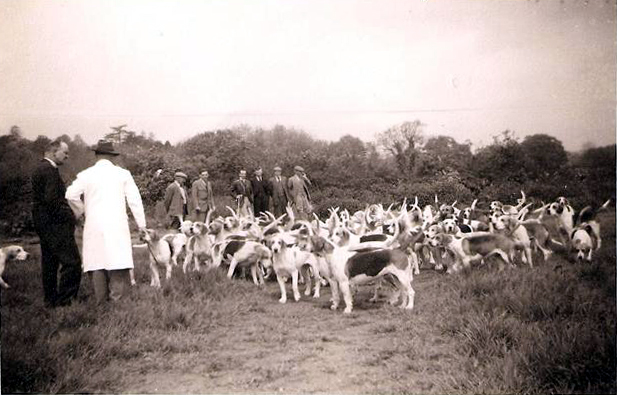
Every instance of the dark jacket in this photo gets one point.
(238, 188)
(49, 206)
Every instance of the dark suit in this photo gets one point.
(55, 224)
(244, 188)
(261, 190)
(279, 194)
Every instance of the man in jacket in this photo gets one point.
(201, 196)
(107, 252)
(242, 191)
(176, 200)
(54, 222)
(299, 193)
(261, 191)
(278, 192)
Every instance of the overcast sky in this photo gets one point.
(468, 69)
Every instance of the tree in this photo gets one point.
(402, 142)
(446, 155)
(502, 161)
(544, 156)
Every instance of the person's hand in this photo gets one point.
(142, 231)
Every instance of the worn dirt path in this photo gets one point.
(306, 348)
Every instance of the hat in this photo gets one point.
(278, 169)
(180, 174)
(243, 172)
(298, 168)
(204, 172)
(105, 147)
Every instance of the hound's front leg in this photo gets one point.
(196, 263)
(317, 285)
(187, 260)
(232, 267)
(281, 281)
(335, 295)
(294, 285)
(346, 295)
(167, 271)
(254, 274)
(308, 279)
(155, 281)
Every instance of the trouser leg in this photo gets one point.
(70, 267)
(49, 272)
(100, 283)
(118, 283)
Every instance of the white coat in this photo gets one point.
(106, 189)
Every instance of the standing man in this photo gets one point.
(54, 222)
(278, 192)
(299, 193)
(106, 190)
(176, 200)
(261, 190)
(242, 191)
(201, 195)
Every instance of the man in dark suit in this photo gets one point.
(55, 224)
(242, 191)
(261, 192)
(278, 192)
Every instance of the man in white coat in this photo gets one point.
(107, 252)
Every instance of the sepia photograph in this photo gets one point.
(308, 197)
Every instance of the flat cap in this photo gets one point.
(180, 174)
(277, 168)
(298, 168)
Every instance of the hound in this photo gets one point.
(159, 249)
(179, 240)
(198, 245)
(248, 254)
(478, 245)
(585, 237)
(7, 254)
(288, 260)
(511, 226)
(473, 217)
(564, 212)
(349, 268)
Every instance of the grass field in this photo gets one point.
(550, 329)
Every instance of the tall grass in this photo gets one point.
(550, 329)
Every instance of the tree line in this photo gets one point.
(402, 162)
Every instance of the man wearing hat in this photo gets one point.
(278, 192)
(176, 200)
(299, 193)
(201, 196)
(54, 222)
(261, 192)
(107, 251)
(242, 191)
